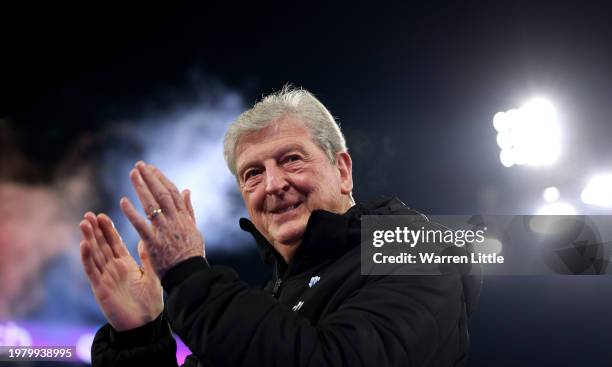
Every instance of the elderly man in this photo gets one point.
(295, 176)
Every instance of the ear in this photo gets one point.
(344, 164)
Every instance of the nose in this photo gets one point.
(276, 180)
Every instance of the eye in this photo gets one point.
(251, 173)
(292, 158)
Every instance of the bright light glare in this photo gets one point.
(528, 135)
(83, 347)
(598, 191)
(557, 209)
(550, 194)
(490, 246)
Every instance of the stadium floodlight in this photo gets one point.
(529, 135)
(550, 194)
(598, 191)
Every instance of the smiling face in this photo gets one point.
(284, 176)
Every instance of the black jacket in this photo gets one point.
(318, 311)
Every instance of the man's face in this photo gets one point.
(284, 176)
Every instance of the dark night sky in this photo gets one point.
(430, 74)
(413, 84)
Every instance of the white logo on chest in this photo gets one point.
(298, 306)
(314, 280)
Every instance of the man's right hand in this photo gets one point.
(130, 296)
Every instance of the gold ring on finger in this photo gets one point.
(154, 213)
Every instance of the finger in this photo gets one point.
(176, 195)
(112, 236)
(89, 235)
(149, 203)
(187, 199)
(88, 263)
(145, 260)
(100, 239)
(140, 224)
(95, 252)
(159, 192)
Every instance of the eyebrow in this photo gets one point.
(278, 153)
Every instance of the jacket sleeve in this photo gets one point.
(388, 321)
(149, 345)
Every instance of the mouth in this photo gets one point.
(287, 208)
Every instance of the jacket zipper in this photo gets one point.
(277, 282)
(276, 288)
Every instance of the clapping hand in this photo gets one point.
(172, 235)
(129, 296)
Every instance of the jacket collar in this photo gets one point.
(327, 236)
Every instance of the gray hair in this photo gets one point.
(296, 102)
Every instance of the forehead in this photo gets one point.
(287, 131)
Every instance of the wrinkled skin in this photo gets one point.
(131, 296)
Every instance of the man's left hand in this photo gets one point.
(172, 235)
